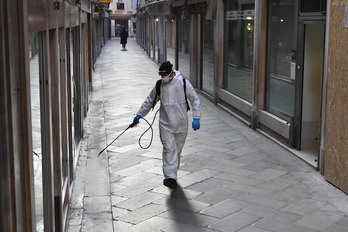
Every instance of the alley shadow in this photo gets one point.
(181, 209)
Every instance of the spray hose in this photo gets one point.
(131, 126)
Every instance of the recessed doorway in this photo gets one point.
(309, 88)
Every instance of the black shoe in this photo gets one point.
(170, 183)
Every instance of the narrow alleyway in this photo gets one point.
(231, 178)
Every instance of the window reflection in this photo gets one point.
(184, 47)
(63, 106)
(239, 37)
(72, 87)
(170, 40)
(280, 92)
(152, 38)
(311, 5)
(155, 34)
(208, 56)
(34, 69)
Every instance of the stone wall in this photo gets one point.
(336, 155)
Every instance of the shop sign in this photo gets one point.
(197, 8)
(248, 14)
(105, 2)
(235, 15)
(95, 15)
(231, 15)
(118, 11)
(123, 12)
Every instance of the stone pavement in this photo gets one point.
(231, 178)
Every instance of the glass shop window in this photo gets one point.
(35, 58)
(120, 6)
(239, 48)
(208, 56)
(170, 40)
(184, 47)
(310, 6)
(281, 57)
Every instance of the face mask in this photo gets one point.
(165, 80)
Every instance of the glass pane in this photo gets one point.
(118, 28)
(145, 33)
(280, 93)
(1, 46)
(155, 40)
(170, 40)
(120, 6)
(323, 5)
(72, 88)
(152, 37)
(310, 5)
(34, 70)
(70, 102)
(63, 107)
(184, 47)
(239, 37)
(208, 56)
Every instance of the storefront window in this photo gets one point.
(280, 89)
(73, 89)
(155, 39)
(151, 36)
(184, 47)
(35, 57)
(170, 40)
(63, 107)
(239, 50)
(153, 27)
(310, 6)
(208, 56)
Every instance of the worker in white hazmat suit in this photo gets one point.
(173, 122)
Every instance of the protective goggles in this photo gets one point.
(164, 73)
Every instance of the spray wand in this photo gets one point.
(131, 126)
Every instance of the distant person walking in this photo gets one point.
(124, 36)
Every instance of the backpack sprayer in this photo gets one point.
(131, 126)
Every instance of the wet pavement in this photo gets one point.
(231, 177)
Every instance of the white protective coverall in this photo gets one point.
(173, 122)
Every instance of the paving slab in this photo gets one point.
(152, 225)
(320, 219)
(224, 208)
(273, 214)
(188, 217)
(180, 227)
(253, 229)
(235, 222)
(97, 204)
(274, 225)
(121, 226)
(304, 206)
(142, 214)
(139, 201)
(180, 203)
